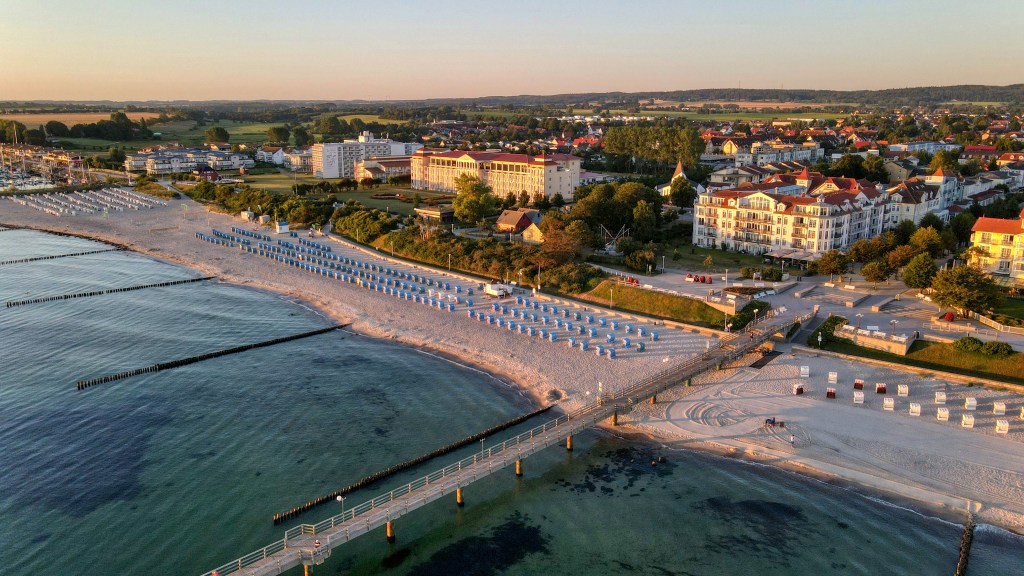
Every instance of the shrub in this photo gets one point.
(744, 316)
(968, 344)
(996, 349)
(772, 275)
(827, 331)
(640, 260)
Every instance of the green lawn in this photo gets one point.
(939, 356)
(694, 262)
(278, 182)
(656, 304)
(1011, 307)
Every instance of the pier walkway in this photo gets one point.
(311, 544)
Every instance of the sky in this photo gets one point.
(398, 49)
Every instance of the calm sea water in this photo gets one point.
(180, 471)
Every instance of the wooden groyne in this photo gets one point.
(390, 471)
(55, 256)
(107, 291)
(966, 540)
(83, 384)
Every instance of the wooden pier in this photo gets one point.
(311, 544)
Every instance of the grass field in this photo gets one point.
(282, 183)
(368, 118)
(1011, 307)
(184, 132)
(939, 356)
(69, 118)
(657, 304)
(721, 260)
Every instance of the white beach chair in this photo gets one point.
(903, 390)
(970, 403)
(858, 397)
(915, 409)
(999, 409)
(967, 421)
(833, 377)
(805, 371)
(943, 414)
(889, 404)
(1002, 426)
(940, 397)
(798, 389)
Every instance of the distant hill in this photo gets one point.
(1012, 94)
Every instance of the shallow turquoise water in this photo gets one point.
(180, 471)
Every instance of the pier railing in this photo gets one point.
(500, 455)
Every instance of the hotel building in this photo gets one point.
(339, 159)
(1001, 243)
(505, 173)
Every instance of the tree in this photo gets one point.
(278, 134)
(524, 199)
(57, 129)
(874, 168)
(899, 256)
(559, 246)
(557, 200)
(948, 161)
(327, 124)
(965, 288)
(863, 251)
(216, 134)
(904, 230)
(681, 193)
(582, 233)
(301, 135)
(35, 137)
(645, 221)
(473, 201)
(961, 226)
(949, 240)
(919, 272)
(116, 155)
(833, 262)
(928, 240)
(875, 272)
(930, 219)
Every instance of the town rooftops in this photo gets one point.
(497, 156)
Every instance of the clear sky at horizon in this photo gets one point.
(323, 50)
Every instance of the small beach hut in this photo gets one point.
(970, 403)
(858, 384)
(915, 409)
(940, 397)
(967, 421)
(830, 393)
(942, 414)
(889, 404)
(880, 388)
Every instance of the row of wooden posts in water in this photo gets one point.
(83, 384)
(387, 472)
(55, 256)
(107, 291)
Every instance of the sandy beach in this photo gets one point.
(938, 465)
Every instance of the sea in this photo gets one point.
(180, 471)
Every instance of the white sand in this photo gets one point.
(936, 464)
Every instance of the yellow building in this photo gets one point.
(506, 174)
(1000, 244)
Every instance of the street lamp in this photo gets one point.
(611, 292)
(662, 263)
(819, 340)
(342, 500)
(726, 276)
(449, 263)
(856, 334)
(893, 332)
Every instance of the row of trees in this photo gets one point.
(281, 134)
(666, 145)
(298, 210)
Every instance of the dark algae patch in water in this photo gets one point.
(763, 529)
(622, 469)
(489, 554)
(63, 469)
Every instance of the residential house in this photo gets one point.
(1000, 244)
(533, 235)
(270, 154)
(515, 221)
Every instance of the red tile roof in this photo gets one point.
(998, 225)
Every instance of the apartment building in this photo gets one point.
(299, 159)
(759, 219)
(505, 173)
(383, 168)
(183, 160)
(1001, 245)
(769, 151)
(339, 159)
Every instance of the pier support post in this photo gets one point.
(519, 468)
(568, 442)
(390, 531)
(458, 497)
(615, 417)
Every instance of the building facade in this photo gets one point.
(184, 160)
(1000, 246)
(763, 220)
(506, 174)
(339, 159)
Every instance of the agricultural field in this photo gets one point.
(185, 132)
(368, 118)
(737, 115)
(69, 118)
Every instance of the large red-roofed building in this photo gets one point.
(506, 174)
